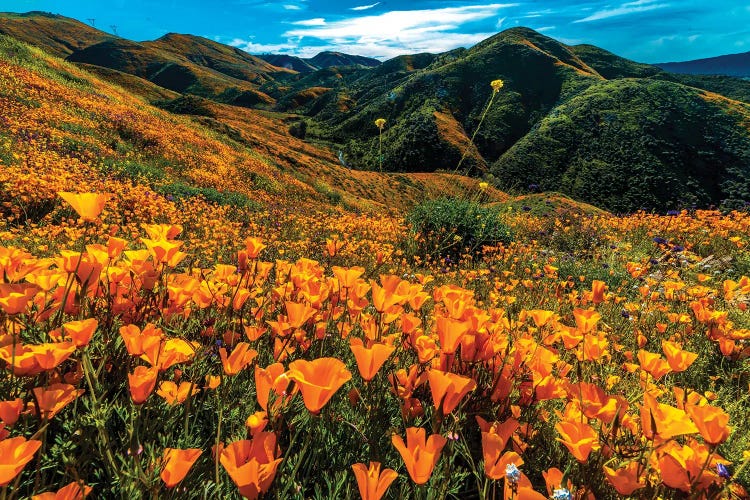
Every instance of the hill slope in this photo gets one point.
(729, 65)
(56, 35)
(637, 143)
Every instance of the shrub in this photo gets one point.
(448, 227)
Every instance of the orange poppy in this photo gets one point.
(371, 481)
(711, 422)
(81, 331)
(270, 378)
(579, 437)
(494, 439)
(177, 463)
(448, 389)
(16, 297)
(586, 319)
(252, 463)
(10, 411)
(369, 360)
(87, 205)
(298, 314)
(141, 383)
(598, 289)
(626, 479)
(420, 454)
(52, 399)
(669, 421)
(175, 394)
(653, 364)
(318, 380)
(242, 355)
(34, 359)
(678, 359)
(15, 453)
(73, 491)
(138, 341)
(450, 332)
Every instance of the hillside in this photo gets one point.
(433, 108)
(89, 132)
(434, 104)
(56, 35)
(637, 143)
(729, 65)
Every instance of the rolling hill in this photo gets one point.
(728, 65)
(56, 35)
(322, 60)
(575, 119)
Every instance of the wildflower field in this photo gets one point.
(181, 319)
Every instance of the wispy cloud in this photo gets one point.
(318, 21)
(366, 7)
(401, 31)
(623, 10)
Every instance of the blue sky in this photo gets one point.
(643, 30)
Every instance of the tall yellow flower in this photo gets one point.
(380, 123)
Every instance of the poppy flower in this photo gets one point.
(371, 481)
(665, 421)
(653, 364)
(55, 397)
(626, 479)
(448, 389)
(16, 297)
(450, 332)
(494, 440)
(177, 463)
(420, 453)
(274, 378)
(242, 355)
(87, 205)
(252, 463)
(141, 383)
(318, 380)
(711, 422)
(10, 411)
(579, 437)
(15, 453)
(369, 360)
(80, 331)
(73, 491)
(678, 359)
(175, 394)
(586, 319)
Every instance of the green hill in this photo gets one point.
(631, 143)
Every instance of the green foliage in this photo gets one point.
(179, 190)
(333, 196)
(629, 144)
(449, 227)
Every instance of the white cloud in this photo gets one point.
(318, 21)
(365, 7)
(292, 7)
(624, 9)
(499, 23)
(398, 32)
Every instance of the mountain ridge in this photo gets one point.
(441, 113)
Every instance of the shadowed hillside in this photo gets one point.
(728, 65)
(637, 143)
